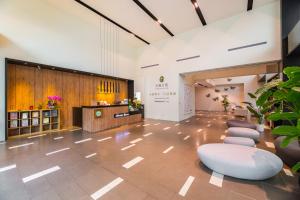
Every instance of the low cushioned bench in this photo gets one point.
(240, 140)
(239, 123)
(240, 161)
(243, 132)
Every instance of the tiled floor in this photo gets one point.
(116, 164)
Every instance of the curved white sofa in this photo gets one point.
(240, 161)
(240, 140)
(243, 132)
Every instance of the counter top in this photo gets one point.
(104, 106)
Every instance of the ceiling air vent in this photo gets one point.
(148, 66)
(247, 46)
(188, 58)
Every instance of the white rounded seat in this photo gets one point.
(240, 141)
(240, 161)
(243, 132)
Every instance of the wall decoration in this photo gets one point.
(208, 95)
(216, 99)
(13, 115)
(226, 89)
(217, 90)
(232, 87)
(98, 113)
(229, 79)
(14, 123)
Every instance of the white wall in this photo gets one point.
(64, 34)
(211, 43)
(202, 102)
(250, 84)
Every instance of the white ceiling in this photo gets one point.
(177, 15)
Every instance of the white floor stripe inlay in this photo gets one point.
(35, 136)
(286, 171)
(21, 145)
(91, 155)
(168, 149)
(103, 139)
(57, 151)
(81, 141)
(222, 137)
(184, 189)
(199, 130)
(136, 141)
(146, 125)
(166, 128)
(3, 169)
(106, 188)
(176, 124)
(157, 124)
(270, 145)
(58, 138)
(147, 134)
(40, 174)
(216, 179)
(179, 133)
(127, 147)
(138, 125)
(133, 162)
(187, 121)
(187, 137)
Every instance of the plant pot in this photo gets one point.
(260, 127)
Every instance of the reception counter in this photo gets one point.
(98, 118)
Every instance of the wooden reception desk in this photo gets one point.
(98, 118)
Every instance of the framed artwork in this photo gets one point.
(25, 123)
(13, 123)
(13, 115)
(25, 115)
(46, 120)
(35, 114)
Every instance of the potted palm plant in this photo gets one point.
(258, 111)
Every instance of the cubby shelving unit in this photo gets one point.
(28, 122)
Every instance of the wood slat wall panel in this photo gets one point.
(11, 86)
(29, 86)
(24, 87)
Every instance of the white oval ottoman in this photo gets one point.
(240, 141)
(244, 132)
(240, 161)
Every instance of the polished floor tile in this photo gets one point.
(160, 162)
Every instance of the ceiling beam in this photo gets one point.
(199, 13)
(110, 20)
(250, 5)
(153, 17)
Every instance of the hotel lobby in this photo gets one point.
(150, 99)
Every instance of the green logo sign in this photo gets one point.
(98, 113)
(161, 79)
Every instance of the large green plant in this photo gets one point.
(284, 99)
